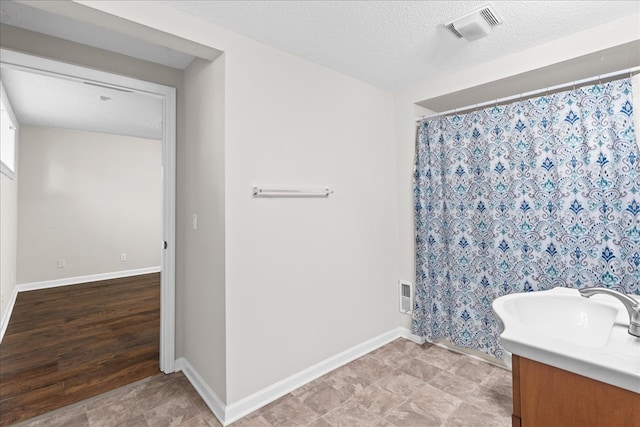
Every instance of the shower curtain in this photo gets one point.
(523, 197)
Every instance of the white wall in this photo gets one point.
(201, 331)
(86, 198)
(8, 238)
(8, 220)
(547, 57)
(307, 278)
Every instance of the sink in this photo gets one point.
(576, 320)
(559, 327)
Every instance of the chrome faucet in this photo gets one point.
(632, 306)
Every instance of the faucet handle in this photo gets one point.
(631, 304)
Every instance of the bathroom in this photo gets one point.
(273, 292)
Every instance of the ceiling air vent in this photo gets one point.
(475, 24)
(452, 28)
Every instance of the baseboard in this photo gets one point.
(23, 287)
(406, 333)
(245, 406)
(505, 364)
(85, 279)
(475, 354)
(228, 414)
(208, 395)
(7, 312)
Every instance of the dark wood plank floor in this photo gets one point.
(66, 344)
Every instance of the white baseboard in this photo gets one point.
(406, 333)
(227, 414)
(505, 364)
(208, 395)
(475, 354)
(85, 279)
(245, 406)
(23, 287)
(7, 312)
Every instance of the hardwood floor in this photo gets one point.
(66, 344)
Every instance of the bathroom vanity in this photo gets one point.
(575, 364)
(545, 396)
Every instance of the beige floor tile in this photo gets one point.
(369, 369)
(211, 419)
(439, 357)
(401, 383)
(410, 415)
(252, 421)
(429, 407)
(347, 381)
(352, 415)
(195, 399)
(409, 347)
(472, 369)
(432, 402)
(138, 421)
(323, 398)
(320, 422)
(155, 393)
(378, 400)
(491, 401)
(421, 370)
(501, 381)
(116, 411)
(173, 412)
(468, 415)
(453, 384)
(197, 421)
(391, 356)
(291, 412)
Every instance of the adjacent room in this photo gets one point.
(320, 213)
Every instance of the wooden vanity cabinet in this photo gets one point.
(545, 396)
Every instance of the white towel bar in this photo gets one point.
(291, 192)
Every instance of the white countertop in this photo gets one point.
(561, 328)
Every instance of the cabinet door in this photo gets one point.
(553, 397)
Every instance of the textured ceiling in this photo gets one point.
(394, 44)
(390, 44)
(41, 100)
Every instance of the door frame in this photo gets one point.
(27, 62)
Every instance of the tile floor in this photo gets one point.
(400, 384)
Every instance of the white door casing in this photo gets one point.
(17, 60)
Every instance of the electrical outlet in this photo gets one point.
(61, 263)
(194, 221)
(123, 257)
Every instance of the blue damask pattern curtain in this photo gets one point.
(524, 197)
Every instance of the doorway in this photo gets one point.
(167, 96)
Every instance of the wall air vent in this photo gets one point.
(475, 24)
(405, 296)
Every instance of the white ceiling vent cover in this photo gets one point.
(476, 24)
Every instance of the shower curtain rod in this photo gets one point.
(531, 93)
